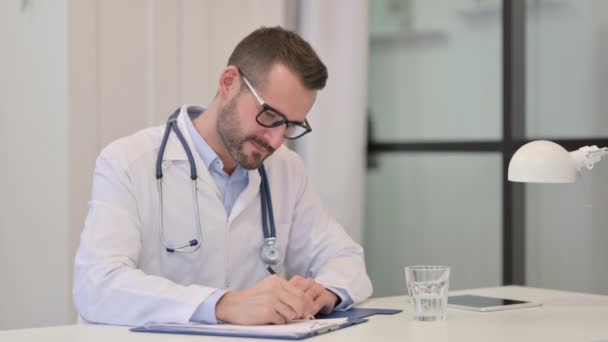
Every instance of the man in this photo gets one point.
(132, 265)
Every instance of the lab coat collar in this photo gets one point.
(174, 149)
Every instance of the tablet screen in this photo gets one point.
(481, 302)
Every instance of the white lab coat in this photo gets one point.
(123, 274)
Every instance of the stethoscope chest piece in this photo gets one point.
(270, 252)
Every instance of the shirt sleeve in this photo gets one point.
(205, 313)
(345, 300)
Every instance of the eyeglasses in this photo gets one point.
(270, 117)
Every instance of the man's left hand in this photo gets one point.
(320, 299)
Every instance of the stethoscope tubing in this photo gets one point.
(270, 251)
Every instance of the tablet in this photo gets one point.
(482, 303)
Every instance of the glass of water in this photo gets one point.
(428, 289)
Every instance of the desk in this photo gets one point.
(564, 316)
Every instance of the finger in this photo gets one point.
(293, 301)
(315, 291)
(311, 295)
(286, 311)
(324, 301)
(293, 296)
(296, 280)
(302, 283)
(277, 318)
(328, 300)
(280, 284)
(309, 306)
(310, 309)
(292, 289)
(289, 294)
(266, 315)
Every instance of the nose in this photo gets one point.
(275, 136)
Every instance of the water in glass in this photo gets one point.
(428, 289)
(429, 300)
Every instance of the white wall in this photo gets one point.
(153, 55)
(77, 74)
(34, 274)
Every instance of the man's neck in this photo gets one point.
(206, 125)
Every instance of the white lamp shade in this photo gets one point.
(542, 161)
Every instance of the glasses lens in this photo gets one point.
(294, 131)
(270, 118)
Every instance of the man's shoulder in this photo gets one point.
(126, 150)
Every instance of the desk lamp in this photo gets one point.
(543, 161)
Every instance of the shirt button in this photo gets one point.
(227, 284)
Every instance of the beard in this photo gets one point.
(231, 133)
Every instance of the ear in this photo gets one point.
(229, 83)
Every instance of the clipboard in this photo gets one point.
(335, 321)
(297, 330)
(358, 313)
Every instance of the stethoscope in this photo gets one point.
(270, 252)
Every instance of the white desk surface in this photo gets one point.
(564, 316)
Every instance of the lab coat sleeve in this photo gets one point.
(108, 286)
(320, 248)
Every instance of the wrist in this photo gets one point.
(338, 299)
(222, 307)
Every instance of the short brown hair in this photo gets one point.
(260, 50)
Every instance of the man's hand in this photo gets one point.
(272, 301)
(322, 299)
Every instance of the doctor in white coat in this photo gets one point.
(190, 249)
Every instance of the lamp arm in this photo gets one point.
(587, 156)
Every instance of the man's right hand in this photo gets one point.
(272, 301)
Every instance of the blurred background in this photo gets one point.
(425, 104)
